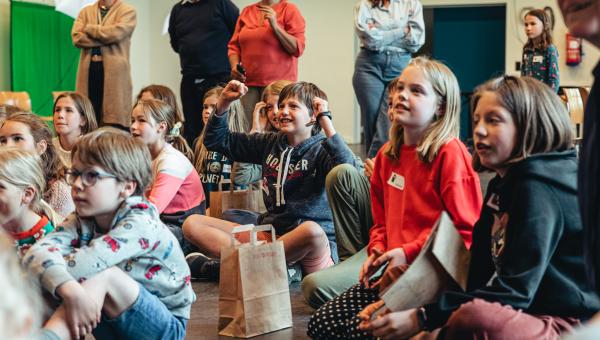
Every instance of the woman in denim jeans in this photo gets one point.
(389, 31)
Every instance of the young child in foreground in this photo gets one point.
(117, 268)
(295, 162)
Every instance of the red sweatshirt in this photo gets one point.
(260, 51)
(408, 195)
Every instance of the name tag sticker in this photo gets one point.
(538, 59)
(396, 180)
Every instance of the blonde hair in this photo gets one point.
(443, 127)
(165, 94)
(274, 89)
(84, 106)
(21, 306)
(118, 153)
(23, 170)
(541, 119)
(51, 164)
(236, 121)
(160, 111)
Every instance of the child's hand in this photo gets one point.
(367, 269)
(369, 164)
(320, 105)
(396, 325)
(259, 117)
(232, 92)
(366, 314)
(395, 257)
(82, 313)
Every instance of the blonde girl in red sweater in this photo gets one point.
(423, 170)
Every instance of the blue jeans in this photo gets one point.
(148, 318)
(372, 73)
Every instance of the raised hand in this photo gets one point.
(259, 117)
(232, 92)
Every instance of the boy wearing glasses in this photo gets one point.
(117, 268)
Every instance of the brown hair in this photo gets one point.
(85, 109)
(51, 164)
(546, 37)
(118, 153)
(441, 129)
(305, 92)
(541, 119)
(165, 94)
(236, 121)
(160, 111)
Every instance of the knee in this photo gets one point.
(312, 232)
(338, 176)
(191, 225)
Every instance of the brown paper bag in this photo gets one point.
(247, 199)
(254, 297)
(444, 260)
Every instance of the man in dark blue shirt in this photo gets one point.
(200, 31)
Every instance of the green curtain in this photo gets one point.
(43, 58)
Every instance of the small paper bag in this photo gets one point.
(254, 297)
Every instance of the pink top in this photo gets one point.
(260, 51)
(176, 185)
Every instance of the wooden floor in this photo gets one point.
(205, 313)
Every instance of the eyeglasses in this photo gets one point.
(88, 177)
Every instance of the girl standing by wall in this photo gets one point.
(540, 56)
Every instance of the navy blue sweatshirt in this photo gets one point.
(527, 245)
(200, 33)
(293, 177)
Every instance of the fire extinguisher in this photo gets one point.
(574, 50)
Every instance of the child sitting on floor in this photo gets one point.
(24, 216)
(422, 171)
(118, 270)
(527, 273)
(175, 189)
(26, 131)
(73, 116)
(295, 162)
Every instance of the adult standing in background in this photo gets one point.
(266, 44)
(389, 31)
(103, 33)
(199, 32)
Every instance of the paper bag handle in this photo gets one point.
(253, 231)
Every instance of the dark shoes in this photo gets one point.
(203, 267)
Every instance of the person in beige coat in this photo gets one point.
(103, 33)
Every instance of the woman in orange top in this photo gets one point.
(266, 44)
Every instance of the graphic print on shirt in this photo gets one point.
(279, 170)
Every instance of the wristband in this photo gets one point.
(326, 114)
(422, 319)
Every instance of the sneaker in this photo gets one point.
(294, 273)
(203, 267)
